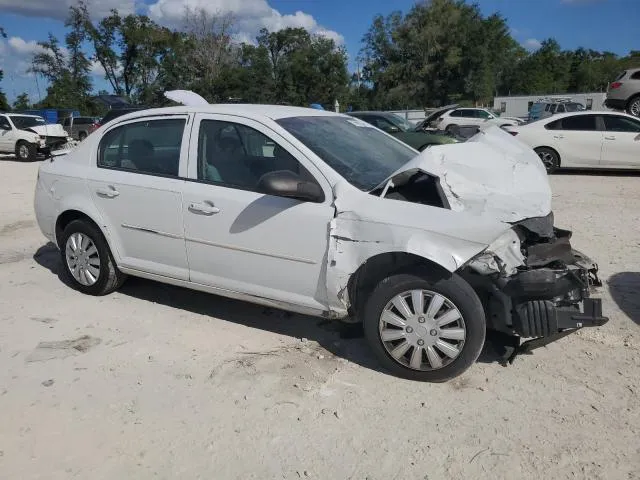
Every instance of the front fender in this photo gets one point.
(353, 242)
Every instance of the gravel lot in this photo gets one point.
(161, 382)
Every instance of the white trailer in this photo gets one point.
(519, 105)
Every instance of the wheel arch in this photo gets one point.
(70, 214)
(375, 269)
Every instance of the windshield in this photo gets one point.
(363, 155)
(26, 122)
(574, 107)
(401, 122)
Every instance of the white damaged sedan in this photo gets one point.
(319, 213)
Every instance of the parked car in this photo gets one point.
(79, 127)
(547, 108)
(401, 129)
(624, 92)
(117, 112)
(320, 213)
(448, 120)
(29, 135)
(584, 139)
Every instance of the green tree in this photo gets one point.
(130, 49)
(22, 102)
(67, 73)
(304, 68)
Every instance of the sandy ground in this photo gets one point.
(161, 382)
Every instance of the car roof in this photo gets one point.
(558, 116)
(273, 112)
(22, 115)
(370, 112)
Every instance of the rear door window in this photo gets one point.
(147, 146)
(635, 75)
(579, 122)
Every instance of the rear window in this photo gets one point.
(620, 75)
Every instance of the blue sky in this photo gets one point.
(598, 24)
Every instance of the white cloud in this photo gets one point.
(532, 44)
(249, 15)
(58, 9)
(97, 69)
(24, 47)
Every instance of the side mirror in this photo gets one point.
(392, 129)
(284, 183)
(5, 126)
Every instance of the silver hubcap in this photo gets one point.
(23, 151)
(422, 330)
(83, 260)
(634, 109)
(547, 159)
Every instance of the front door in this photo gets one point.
(621, 145)
(245, 241)
(138, 192)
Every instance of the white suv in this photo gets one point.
(470, 117)
(322, 214)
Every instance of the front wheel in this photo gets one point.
(549, 158)
(425, 329)
(26, 151)
(87, 260)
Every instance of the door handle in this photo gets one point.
(558, 137)
(205, 208)
(109, 192)
(609, 138)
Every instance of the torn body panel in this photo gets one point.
(366, 226)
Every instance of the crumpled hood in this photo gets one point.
(49, 130)
(492, 175)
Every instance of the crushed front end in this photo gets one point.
(534, 285)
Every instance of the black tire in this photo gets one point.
(82, 136)
(109, 278)
(549, 157)
(457, 291)
(633, 106)
(25, 151)
(452, 129)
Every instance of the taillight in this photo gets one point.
(615, 85)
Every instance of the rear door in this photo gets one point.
(578, 139)
(621, 145)
(138, 191)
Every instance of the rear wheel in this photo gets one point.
(425, 329)
(633, 107)
(549, 157)
(87, 260)
(26, 151)
(82, 136)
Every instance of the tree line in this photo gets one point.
(440, 51)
